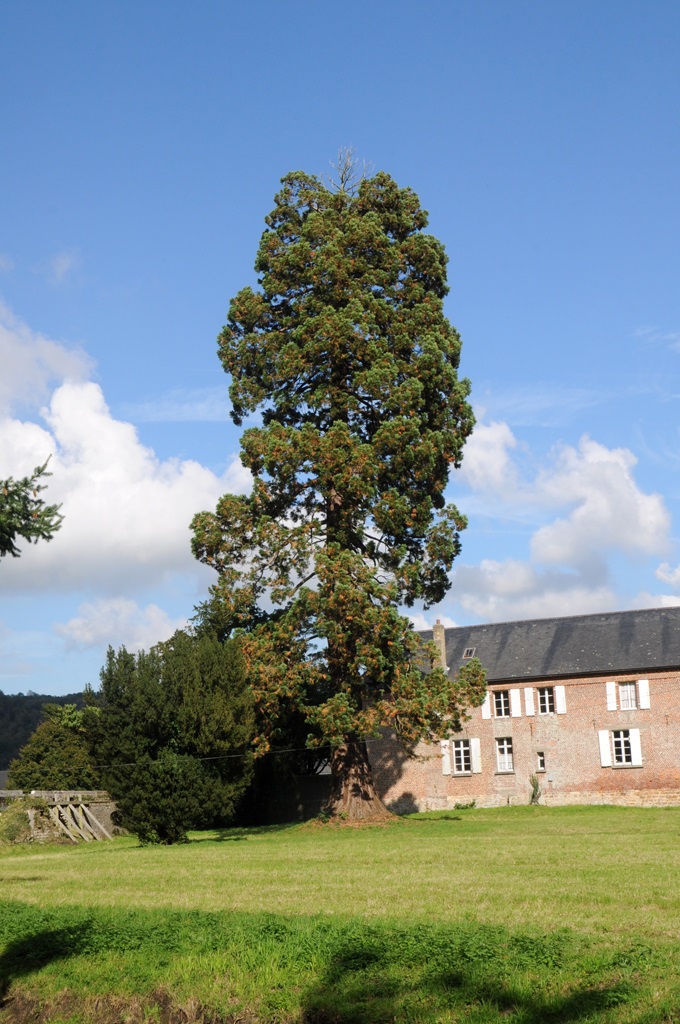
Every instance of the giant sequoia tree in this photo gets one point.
(346, 354)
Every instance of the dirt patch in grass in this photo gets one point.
(159, 1008)
(314, 824)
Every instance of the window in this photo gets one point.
(620, 748)
(501, 701)
(467, 756)
(504, 754)
(552, 700)
(622, 751)
(503, 704)
(540, 761)
(627, 696)
(462, 761)
(469, 652)
(546, 700)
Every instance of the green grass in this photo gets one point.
(518, 915)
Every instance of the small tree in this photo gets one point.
(172, 729)
(57, 755)
(348, 357)
(24, 514)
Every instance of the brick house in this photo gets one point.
(589, 705)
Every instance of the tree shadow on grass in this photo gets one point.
(234, 835)
(33, 952)
(365, 984)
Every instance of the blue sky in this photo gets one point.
(142, 146)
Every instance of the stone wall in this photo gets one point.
(98, 802)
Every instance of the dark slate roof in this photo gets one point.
(609, 642)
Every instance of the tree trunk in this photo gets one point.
(353, 795)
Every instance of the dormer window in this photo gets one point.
(469, 652)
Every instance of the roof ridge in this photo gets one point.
(561, 618)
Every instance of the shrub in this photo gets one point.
(167, 797)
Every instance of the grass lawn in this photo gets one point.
(517, 915)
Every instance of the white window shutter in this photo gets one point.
(446, 757)
(560, 700)
(515, 704)
(486, 706)
(643, 693)
(475, 756)
(605, 748)
(635, 747)
(611, 696)
(529, 701)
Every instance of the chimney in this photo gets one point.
(439, 637)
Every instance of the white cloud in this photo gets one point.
(127, 513)
(236, 479)
(31, 363)
(423, 621)
(512, 589)
(647, 600)
(594, 485)
(610, 512)
(668, 575)
(487, 465)
(118, 621)
(586, 508)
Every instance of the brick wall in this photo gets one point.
(570, 743)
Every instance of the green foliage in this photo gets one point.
(535, 789)
(57, 756)
(346, 353)
(20, 715)
(172, 728)
(24, 514)
(68, 715)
